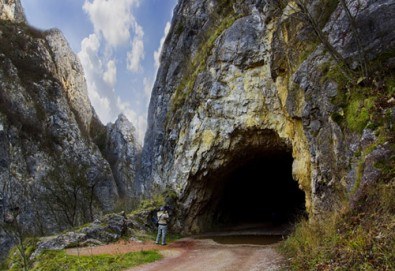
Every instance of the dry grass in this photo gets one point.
(358, 238)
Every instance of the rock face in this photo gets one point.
(109, 228)
(70, 74)
(242, 79)
(122, 152)
(53, 174)
(11, 10)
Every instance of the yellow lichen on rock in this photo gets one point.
(291, 130)
(282, 89)
(252, 121)
(207, 140)
(301, 167)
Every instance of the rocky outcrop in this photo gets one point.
(107, 229)
(240, 79)
(70, 73)
(11, 10)
(53, 174)
(122, 152)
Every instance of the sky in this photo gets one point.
(118, 43)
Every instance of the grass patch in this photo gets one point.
(358, 238)
(19, 255)
(325, 10)
(59, 261)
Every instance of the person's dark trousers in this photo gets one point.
(162, 231)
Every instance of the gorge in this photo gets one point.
(262, 111)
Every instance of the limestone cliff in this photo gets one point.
(122, 152)
(241, 79)
(54, 172)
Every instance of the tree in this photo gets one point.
(68, 194)
(18, 233)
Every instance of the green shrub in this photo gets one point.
(159, 198)
(155, 202)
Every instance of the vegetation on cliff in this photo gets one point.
(359, 233)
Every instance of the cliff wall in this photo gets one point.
(56, 157)
(245, 79)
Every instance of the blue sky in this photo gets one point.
(118, 43)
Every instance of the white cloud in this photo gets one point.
(95, 79)
(158, 52)
(100, 81)
(115, 32)
(112, 19)
(88, 55)
(110, 75)
(135, 56)
(101, 104)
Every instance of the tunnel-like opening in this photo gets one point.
(258, 192)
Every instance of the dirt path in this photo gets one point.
(207, 255)
(197, 255)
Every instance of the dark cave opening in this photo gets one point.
(259, 192)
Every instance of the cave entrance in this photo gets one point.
(260, 192)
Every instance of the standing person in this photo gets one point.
(163, 217)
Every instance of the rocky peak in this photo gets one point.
(122, 151)
(70, 73)
(12, 10)
(124, 128)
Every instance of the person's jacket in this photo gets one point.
(163, 216)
